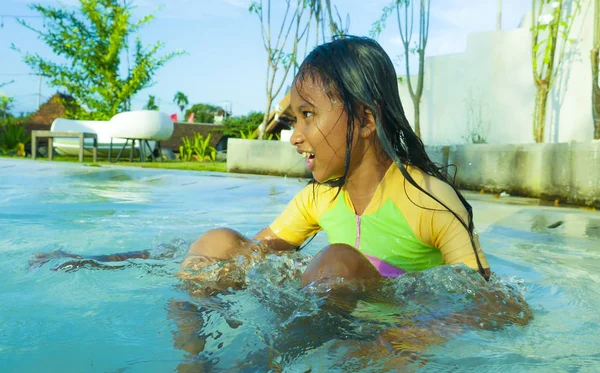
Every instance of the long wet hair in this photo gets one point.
(358, 72)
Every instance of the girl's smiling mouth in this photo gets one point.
(310, 159)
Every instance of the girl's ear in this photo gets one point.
(367, 127)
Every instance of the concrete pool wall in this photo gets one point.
(569, 172)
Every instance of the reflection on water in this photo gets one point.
(561, 222)
(120, 195)
(91, 175)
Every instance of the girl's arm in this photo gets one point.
(271, 242)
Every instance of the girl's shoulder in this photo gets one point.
(434, 186)
(317, 196)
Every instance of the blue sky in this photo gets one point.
(226, 61)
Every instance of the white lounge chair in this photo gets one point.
(145, 127)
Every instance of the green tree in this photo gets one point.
(92, 41)
(151, 104)
(405, 16)
(5, 105)
(321, 12)
(203, 113)
(595, 67)
(279, 58)
(546, 31)
(243, 124)
(181, 100)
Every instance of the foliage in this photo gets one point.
(278, 56)
(20, 120)
(250, 135)
(92, 41)
(203, 113)
(151, 104)
(5, 106)
(186, 150)
(546, 32)
(243, 125)
(214, 166)
(405, 27)
(199, 147)
(181, 100)
(321, 12)
(595, 59)
(253, 135)
(13, 139)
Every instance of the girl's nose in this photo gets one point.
(296, 138)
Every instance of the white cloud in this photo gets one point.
(448, 42)
(53, 3)
(244, 4)
(193, 10)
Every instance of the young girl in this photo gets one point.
(385, 206)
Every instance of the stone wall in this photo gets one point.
(569, 172)
(265, 158)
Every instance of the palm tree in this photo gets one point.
(151, 104)
(181, 100)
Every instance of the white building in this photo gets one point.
(490, 89)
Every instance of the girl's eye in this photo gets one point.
(307, 114)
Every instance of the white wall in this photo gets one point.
(494, 77)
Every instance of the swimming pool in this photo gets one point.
(124, 318)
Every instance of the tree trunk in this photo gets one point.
(263, 126)
(417, 106)
(539, 115)
(595, 92)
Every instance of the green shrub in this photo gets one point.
(242, 124)
(253, 135)
(200, 147)
(250, 135)
(13, 139)
(185, 150)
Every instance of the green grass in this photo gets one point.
(176, 165)
(172, 165)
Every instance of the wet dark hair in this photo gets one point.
(357, 71)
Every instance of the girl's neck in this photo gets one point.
(363, 180)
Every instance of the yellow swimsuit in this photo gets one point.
(399, 230)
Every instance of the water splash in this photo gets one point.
(158, 256)
(251, 313)
(395, 320)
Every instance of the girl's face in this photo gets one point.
(320, 130)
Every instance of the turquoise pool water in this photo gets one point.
(70, 316)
